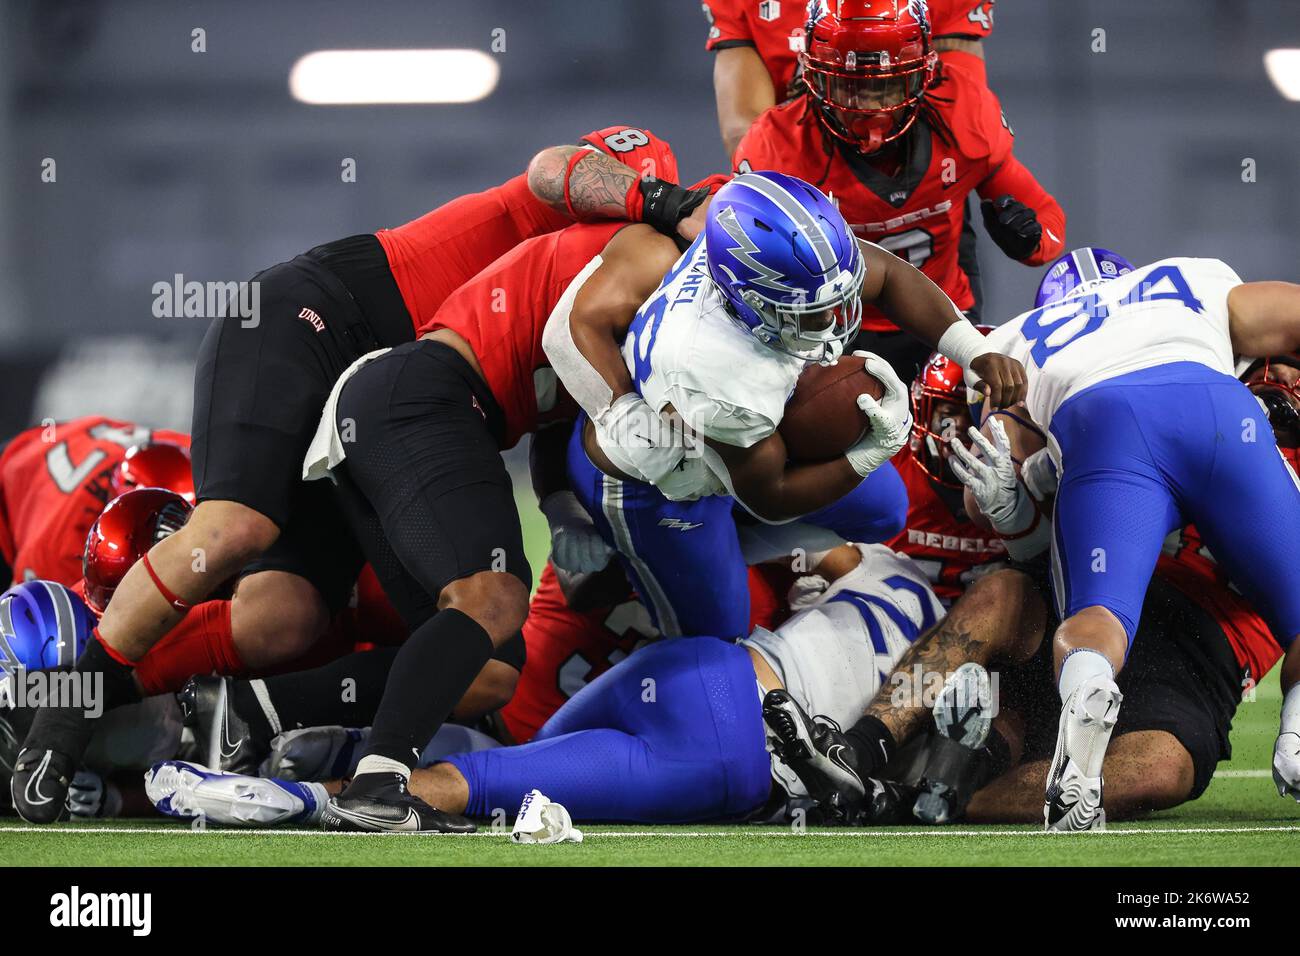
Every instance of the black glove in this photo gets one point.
(1012, 225)
(666, 204)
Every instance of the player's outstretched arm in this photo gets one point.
(743, 90)
(1264, 318)
(917, 305)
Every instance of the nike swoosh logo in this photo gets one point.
(35, 782)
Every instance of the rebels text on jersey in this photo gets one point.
(952, 552)
(916, 213)
(502, 312)
(776, 29)
(54, 482)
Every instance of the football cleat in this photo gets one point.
(315, 753)
(225, 740)
(39, 786)
(186, 790)
(815, 749)
(962, 718)
(381, 803)
(1073, 801)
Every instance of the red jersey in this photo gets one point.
(502, 312)
(432, 256)
(776, 30)
(917, 212)
(952, 552)
(54, 482)
(569, 649)
(1188, 565)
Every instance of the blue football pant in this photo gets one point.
(672, 734)
(684, 557)
(1146, 453)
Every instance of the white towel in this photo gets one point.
(326, 450)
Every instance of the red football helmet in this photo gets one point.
(155, 464)
(941, 380)
(1276, 383)
(122, 534)
(868, 65)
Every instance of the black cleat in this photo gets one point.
(39, 786)
(816, 750)
(225, 739)
(380, 803)
(963, 715)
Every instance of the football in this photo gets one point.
(822, 419)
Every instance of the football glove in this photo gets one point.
(1012, 225)
(1286, 765)
(890, 418)
(576, 545)
(992, 480)
(638, 441)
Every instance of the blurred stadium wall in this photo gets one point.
(169, 161)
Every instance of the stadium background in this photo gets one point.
(202, 164)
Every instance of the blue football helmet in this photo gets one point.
(1079, 269)
(787, 264)
(42, 625)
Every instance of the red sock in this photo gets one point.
(201, 643)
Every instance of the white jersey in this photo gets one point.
(834, 656)
(1174, 310)
(684, 349)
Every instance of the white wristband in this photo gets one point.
(963, 343)
(1291, 711)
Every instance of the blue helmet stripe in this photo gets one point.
(1085, 261)
(809, 225)
(66, 629)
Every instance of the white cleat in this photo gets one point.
(186, 790)
(1073, 801)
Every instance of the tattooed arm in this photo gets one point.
(598, 183)
(1002, 617)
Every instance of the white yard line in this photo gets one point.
(1234, 774)
(757, 831)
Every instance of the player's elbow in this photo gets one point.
(1264, 318)
(547, 172)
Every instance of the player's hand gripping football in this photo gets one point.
(992, 480)
(890, 418)
(1286, 765)
(1001, 378)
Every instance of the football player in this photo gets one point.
(900, 141)
(55, 479)
(261, 381)
(720, 346)
(671, 734)
(757, 45)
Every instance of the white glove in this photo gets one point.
(1286, 765)
(638, 440)
(807, 591)
(1038, 472)
(993, 482)
(576, 545)
(541, 821)
(890, 418)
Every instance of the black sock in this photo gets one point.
(430, 674)
(344, 693)
(994, 760)
(102, 683)
(873, 744)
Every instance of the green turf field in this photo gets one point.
(1239, 821)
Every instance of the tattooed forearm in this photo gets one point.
(901, 704)
(598, 184)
